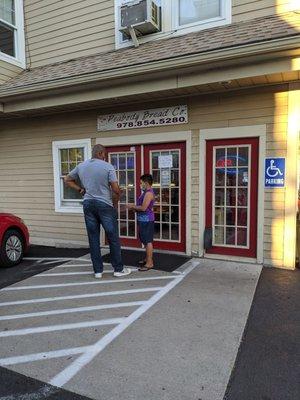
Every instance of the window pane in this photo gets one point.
(175, 214)
(243, 156)
(243, 177)
(241, 237)
(219, 235)
(7, 44)
(242, 217)
(231, 176)
(219, 197)
(131, 229)
(230, 216)
(174, 232)
(197, 10)
(175, 178)
(231, 157)
(123, 228)
(64, 155)
(242, 197)
(230, 197)
(220, 157)
(230, 236)
(220, 177)
(165, 228)
(70, 194)
(114, 160)
(157, 230)
(219, 216)
(7, 11)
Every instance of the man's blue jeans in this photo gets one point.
(98, 213)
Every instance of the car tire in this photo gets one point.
(12, 248)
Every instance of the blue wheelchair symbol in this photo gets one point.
(275, 172)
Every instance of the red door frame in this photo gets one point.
(210, 144)
(138, 164)
(180, 246)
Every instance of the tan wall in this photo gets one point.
(27, 176)
(59, 30)
(66, 29)
(248, 9)
(8, 71)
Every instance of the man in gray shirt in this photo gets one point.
(101, 195)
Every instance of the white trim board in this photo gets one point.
(166, 137)
(65, 144)
(251, 131)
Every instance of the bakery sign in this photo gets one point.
(143, 119)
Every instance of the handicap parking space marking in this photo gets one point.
(84, 354)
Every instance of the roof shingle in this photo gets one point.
(238, 34)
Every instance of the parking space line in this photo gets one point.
(72, 310)
(80, 296)
(52, 328)
(74, 273)
(42, 356)
(100, 282)
(69, 372)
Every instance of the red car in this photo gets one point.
(14, 239)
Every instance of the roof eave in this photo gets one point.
(237, 52)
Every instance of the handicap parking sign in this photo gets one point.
(274, 172)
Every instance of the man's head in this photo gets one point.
(99, 152)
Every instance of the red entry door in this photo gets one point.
(169, 187)
(231, 196)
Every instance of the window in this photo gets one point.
(179, 17)
(66, 156)
(12, 48)
(194, 11)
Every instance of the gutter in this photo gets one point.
(260, 48)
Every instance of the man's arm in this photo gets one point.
(69, 181)
(116, 192)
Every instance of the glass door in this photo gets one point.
(231, 196)
(127, 163)
(166, 162)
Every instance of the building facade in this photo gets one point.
(208, 101)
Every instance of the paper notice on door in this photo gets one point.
(165, 161)
(165, 176)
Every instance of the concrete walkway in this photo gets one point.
(152, 335)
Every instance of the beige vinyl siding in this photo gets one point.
(243, 10)
(27, 173)
(59, 30)
(8, 71)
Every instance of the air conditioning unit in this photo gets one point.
(144, 16)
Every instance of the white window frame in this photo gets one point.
(56, 147)
(19, 37)
(170, 22)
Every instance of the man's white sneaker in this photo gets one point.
(126, 271)
(98, 275)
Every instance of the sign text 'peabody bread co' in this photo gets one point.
(143, 119)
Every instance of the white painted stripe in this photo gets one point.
(75, 265)
(42, 356)
(81, 296)
(51, 258)
(71, 310)
(100, 282)
(69, 372)
(53, 328)
(73, 273)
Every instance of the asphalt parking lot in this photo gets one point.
(150, 335)
(185, 334)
